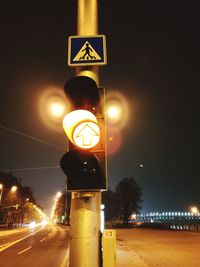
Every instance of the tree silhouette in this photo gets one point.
(108, 199)
(128, 196)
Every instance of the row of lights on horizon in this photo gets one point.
(193, 211)
(41, 213)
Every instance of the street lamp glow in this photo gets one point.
(194, 210)
(1, 186)
(13, 188)
(59, 194)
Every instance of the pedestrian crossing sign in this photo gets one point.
(87, 50)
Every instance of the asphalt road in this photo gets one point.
(39, 247)
(49, 246)
(157, 248)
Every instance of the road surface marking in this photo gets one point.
(5, 246)
(24, 250)
(43, 239)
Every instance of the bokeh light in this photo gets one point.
(57, 109)
(114, 112)
(13, 188)
(117, 109)
(52, 106)
(194, 209)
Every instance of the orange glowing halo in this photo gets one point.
(81, 128)
(117, 109)
(52, 107)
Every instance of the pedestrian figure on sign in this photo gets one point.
(87, 52)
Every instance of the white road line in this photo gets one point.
(24, 250)
(43, 239)
(5, 246)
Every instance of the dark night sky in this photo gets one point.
(153, 60)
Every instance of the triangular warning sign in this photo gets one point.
(87, 53)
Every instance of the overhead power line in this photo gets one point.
(30, 169)
(31, 137)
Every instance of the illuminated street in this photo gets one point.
(48, 246)
(99, 135)
(40, 246)
(150, 248)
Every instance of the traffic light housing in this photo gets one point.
(85, 162)
(82, 93)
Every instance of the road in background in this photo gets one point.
(157, 248)
(41, 247)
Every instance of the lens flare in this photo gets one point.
(117, 110)
(114, 140)
(52, 106)
(114, 112)
(57, 109)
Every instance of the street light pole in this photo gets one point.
(1, 192)
(85, 206)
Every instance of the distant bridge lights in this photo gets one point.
(194, 210)
(166, 216)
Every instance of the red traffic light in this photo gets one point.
(82, 93)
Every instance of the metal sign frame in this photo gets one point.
(97, 44)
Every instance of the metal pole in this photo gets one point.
(87, 24)
(85, 206)
(1, 195)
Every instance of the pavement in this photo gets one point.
(157, 248)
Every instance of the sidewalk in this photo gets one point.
(126, 257)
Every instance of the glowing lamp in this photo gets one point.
(81, 128)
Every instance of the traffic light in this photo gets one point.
(85, 162)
